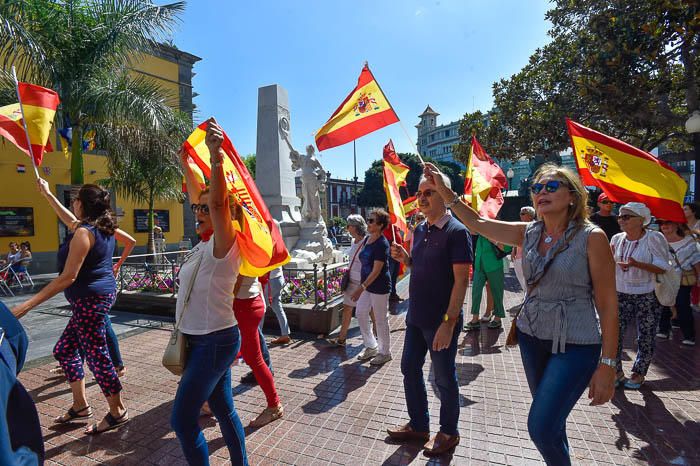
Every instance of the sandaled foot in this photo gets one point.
(109, 422)
(635, 382)
(283, 340)
(121, 371)
(620, 379)
(57, 370)
(336, 341)
(205, 411)
(267, 416)
(74, 414)
(487, 317)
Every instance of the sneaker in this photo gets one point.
(367, 353)
(380, 359)
(687, 342)
(675, 324)
(663, 336)
(249, 379)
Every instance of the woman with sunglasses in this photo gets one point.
(206, 317)
(640, 255)
(571, 300)
(87, 280)
(685, 258)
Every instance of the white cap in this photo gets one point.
(639, 209)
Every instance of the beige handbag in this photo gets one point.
(175, 355)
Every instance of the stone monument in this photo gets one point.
(273, 171)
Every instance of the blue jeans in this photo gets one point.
(275, 286)
(417, 342)
(556, 382)
(113, 344)
(394, 274)
(207, 377)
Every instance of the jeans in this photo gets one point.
(275, 286)
(113, 344)
(556, 382)
(686, 320)
(394, 273)
(207, 377)
(417, 342)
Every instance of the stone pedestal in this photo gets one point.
(273, 171)
(312, 247)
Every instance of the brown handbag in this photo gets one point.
(512, 337)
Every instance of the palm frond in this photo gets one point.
(18, 43)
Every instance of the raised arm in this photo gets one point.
(194, 189)
(511, 233)
(224, 234)
(64, 214)
(129, 242)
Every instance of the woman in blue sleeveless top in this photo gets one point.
(87, 280)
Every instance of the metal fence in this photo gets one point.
(159, 273)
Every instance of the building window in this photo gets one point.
(447, 133)
(432, 137)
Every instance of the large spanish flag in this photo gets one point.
(627, 174)
(395, 173)
(483, 182)
(39, 105)
(366, 109)
(259, 238)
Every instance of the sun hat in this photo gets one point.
(639, 209)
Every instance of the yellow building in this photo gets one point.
(26, 216)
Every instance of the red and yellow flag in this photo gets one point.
(39, 105)
(259, 238)
(483, 182)
(627, 174)
(366, 109)
(410, 206)
(395, 173)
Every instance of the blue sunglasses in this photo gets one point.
(550, 186)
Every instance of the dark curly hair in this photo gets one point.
(382, 217)
(694, 208)
(96, 207)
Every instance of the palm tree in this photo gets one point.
(143, 162)
(83, 49)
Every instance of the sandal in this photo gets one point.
(336, 341)
(112, 423)
(73, 415)
(495, 323)
(487, 317)
(630, 384)
(620, 380)
(473, 325)
(267, 416)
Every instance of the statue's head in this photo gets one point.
(310, 150)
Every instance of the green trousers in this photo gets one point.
(495, 279)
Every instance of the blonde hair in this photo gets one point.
(577, 212)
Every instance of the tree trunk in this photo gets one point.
(76, 160)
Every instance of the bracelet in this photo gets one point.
(455, 200)
(609, 362)
(363, 286)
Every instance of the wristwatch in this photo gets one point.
(446, 317)
(609, 362)
(455, 200)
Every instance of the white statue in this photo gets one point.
(313, 182)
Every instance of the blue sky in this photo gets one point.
(445, 53)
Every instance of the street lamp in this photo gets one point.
(692, 126)
(510, 174)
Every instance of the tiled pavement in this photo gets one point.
(337, 409)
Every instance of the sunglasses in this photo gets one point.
(626, 217)
(550, 186)
(370, 221)
(204, 208)
(605, 202)
(426, 193)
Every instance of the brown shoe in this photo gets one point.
(441, 443)
(283, 340)
(267, 416)
(405, 433)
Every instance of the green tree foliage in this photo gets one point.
(84, 49)
(143, 162)
(628, 68)
(372, 194)
(249, 161)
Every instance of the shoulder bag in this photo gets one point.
(345, 281)
(175, 355)
(688, 277)
(668, 283)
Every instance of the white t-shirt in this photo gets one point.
(651, 248)
(356, 268)
(210, 306)
(250, 288)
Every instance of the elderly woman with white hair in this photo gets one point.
(357, 227)
(640, 255)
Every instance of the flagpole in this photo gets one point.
(24, 122)
(354, 162)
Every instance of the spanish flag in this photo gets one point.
(410, 206)
(395, 173)
(39, 105)
(627, 174)
(366, 109)
(483, 182)
(259, 238)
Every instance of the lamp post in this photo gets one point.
(510, 174)
(692, 126)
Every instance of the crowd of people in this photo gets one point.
(585, 281)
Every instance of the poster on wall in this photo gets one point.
(162, 219)
(16, 221)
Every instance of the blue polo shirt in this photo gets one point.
(436, 248)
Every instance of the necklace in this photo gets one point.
(549, 238)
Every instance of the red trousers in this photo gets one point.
(249, 313)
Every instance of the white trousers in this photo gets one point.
(379, 303)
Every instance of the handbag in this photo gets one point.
(175, 355)
(345, 281)
(668, 283)
(688, 277)
(512, 337)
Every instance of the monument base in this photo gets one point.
(313, 246)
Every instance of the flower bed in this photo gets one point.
(301, 288)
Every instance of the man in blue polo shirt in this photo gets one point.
(439, 262)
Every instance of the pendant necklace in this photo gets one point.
(549, 238)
